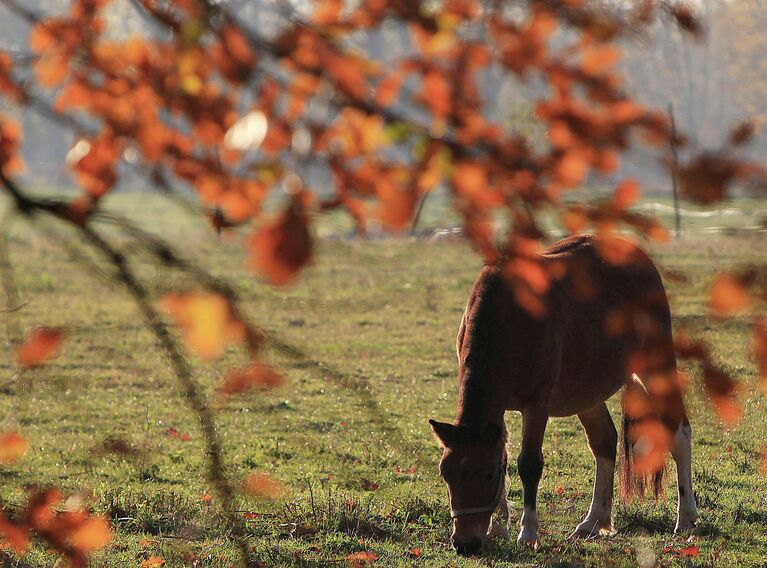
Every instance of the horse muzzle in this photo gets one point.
(467, 548)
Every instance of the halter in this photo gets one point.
(455, 513)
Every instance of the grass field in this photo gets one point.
(348, 434)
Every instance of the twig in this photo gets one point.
(195, 398)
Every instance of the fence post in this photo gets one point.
(674, 169)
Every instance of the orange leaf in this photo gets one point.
(436, 93)
(362, 558)
(257, 375)
(39, 347)
(12, 447)
(728, 296)
(13, 535)
(617, 250)
(262, 485)
(599, 59)
(280, 249)
(759, 349)
(327, 12)
(651, 444)
(415, 552)
(388, 89)
(207, 322)
(691, 550)
(396, 205)
(153, 562)
(91, 535)
(469, 178)
(626, 194)
(51, 69)
(722, 391)
(41, 37)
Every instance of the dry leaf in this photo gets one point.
(40, 346)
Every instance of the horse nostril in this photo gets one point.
(468, 548)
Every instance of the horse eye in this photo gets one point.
(489, 476)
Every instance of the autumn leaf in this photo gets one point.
(40, 346)
(14, 535)
(759, 350)
(691, 551)
(256, 375)
(415, 552)
(599, 59)
(362, 558)
(281, 248)
(207, 322)
(13, 447)
(651, 445)
(261, 485)
(722, 391)
(728, 296)
(93, 534)
(152, 562)
(626, 194)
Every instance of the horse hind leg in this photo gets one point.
(603, 439)
(681, 451)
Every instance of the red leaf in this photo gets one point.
(759, 349)
(728, 295)
(256, 375)
(362, 558)
(691, 550)
(40, 346)
(280, 249)
(626, 194)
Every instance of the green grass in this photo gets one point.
(348, 434)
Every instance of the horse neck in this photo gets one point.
(479, 400)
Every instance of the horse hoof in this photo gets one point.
(499, 531)
(529, 540)
(582, 535)
(586, 531)
(683, 528)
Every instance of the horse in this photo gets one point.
(604, 325)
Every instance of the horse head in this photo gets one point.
(473, 465)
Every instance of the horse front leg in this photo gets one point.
(498, 528)
(530, 467)
(603, 439)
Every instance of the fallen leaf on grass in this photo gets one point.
(153, 562)
(362, 558)
(692, 550)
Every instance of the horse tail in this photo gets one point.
(635, 483)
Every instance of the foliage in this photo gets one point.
(234, 112)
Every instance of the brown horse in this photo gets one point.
(603, 322)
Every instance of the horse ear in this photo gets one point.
(444, 432)
(491, 433)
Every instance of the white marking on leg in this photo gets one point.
(528, 533)
(498, 527)
(599, 518)
(681, 450)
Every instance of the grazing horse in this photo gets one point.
(602, 323)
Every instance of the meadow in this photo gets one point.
(348, 433)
